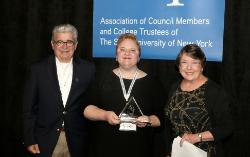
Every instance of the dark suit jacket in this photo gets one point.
(43, 109)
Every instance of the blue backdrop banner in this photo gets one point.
(161, 26)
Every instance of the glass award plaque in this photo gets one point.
(129, 114)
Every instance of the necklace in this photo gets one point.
(127, 94)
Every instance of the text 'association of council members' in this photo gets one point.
(151, 20)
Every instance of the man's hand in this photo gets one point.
(34, 149)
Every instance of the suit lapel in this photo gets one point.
(53, 77)
(75, 80)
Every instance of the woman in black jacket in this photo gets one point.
(198, 109)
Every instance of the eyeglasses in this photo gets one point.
(124, 50)
(194, 64)
(61, 43)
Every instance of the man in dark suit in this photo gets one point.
(53, 100)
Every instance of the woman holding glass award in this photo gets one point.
(126, 106)
(198, 108)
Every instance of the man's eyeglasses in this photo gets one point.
(61, 43)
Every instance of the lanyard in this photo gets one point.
(127, 94)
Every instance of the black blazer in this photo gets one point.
(43, 110)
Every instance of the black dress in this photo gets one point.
(107, 94)
(188, 114)
(206, 108)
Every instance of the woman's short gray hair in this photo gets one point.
(65, 28)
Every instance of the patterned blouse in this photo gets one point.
(188, 114)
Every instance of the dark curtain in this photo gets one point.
(25, 38)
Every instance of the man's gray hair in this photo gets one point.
(65, 28)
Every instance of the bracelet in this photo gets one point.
(200, 136)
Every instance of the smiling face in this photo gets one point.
(190, 69)
(64, 46)
(127, 54)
